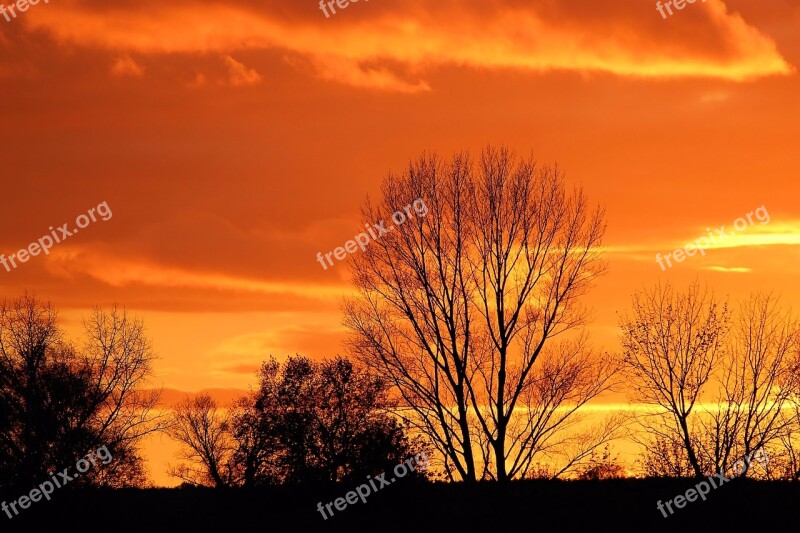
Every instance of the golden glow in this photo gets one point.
(235, 140)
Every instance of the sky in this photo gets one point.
(233, 141)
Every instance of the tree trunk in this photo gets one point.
(687, 442)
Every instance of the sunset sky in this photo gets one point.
(234, 140)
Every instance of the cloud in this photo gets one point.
(785, 233)
(251, 344)
(244, 354)
(614, 36)
(244, 368)
(239, 75)
(736, 248)
(170, 397)
(715, 97)
(728, 269)
(347, 72)
(312, 340)
(125, 66)
(69, 262)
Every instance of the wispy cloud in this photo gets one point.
(740, 270)
(614, 37)
(785, 233)
(126, 66)
(239, 75)
(69, 262)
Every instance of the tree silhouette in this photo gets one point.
(602, 466)
(665, 457)
(790, 436)
(59, 402)
(680, 346)
(672, 343)
(757, 381)
(329, 421)
(308, 422)
(204, 430)
(460, 308)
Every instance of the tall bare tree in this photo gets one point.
(672, 343)
(414, 318)
(457, 306)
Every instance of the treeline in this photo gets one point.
(720, 385)
(308, 422)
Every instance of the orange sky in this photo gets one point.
(235, 140)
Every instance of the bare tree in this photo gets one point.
(602, 466)
(414, 318)
(672, 343)
(549, 421)
(204, 431)
(59, 402)
(118, 356)
(757, 382)
(787, 465)
(790, 439)
(30, 344)
(457, 307)
(664, 457)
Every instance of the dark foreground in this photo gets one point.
(619, 505)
